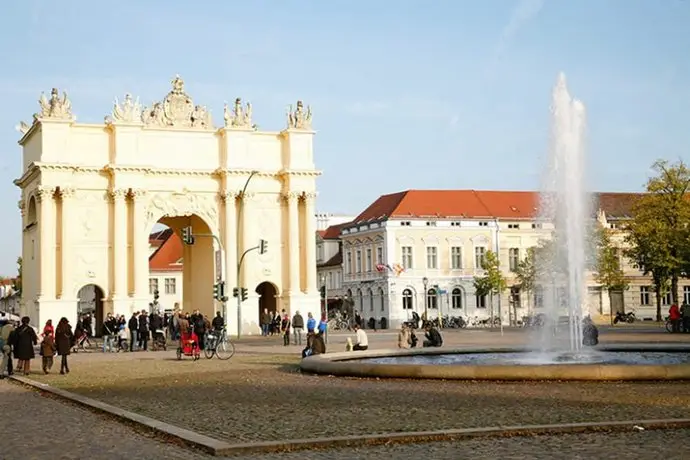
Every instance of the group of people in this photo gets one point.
(17, 341)
(282, 324)
(679, 317)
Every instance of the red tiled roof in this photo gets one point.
(334, 261)
(477, 204)
(333, 232)
(168, 255)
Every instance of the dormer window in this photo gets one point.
(405, 223)
(514, 226)
(431, 223)
(483, 224)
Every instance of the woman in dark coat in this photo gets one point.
(24, 341)
(63, 341)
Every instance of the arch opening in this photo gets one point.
(90, 309)
(268, 298)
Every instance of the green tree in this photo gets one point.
(18, 281)
(493, 282)
(661, 222)
(608, 268)
(648, 251)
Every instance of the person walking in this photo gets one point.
(47, 351)
(297, 327)
(6, 331)
(63, 342)
(25, 340)
(143, 331)
(133, 326)
(285, 328)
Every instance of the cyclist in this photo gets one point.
(218, 323)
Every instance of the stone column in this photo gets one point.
(309, 243)
(46, 225)
(140, 249)
(294, 275)
(67, 247)
(249, 240)
(120, 233)
(230, 240)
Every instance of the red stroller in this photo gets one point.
(189, 346)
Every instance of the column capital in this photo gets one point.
(67, 192)
(246, 196)
(310, 196)
(291, 196)
(43, 192)
(118, 194)
(229, 195)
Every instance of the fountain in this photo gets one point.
(556, 353)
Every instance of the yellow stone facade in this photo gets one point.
(92, 193)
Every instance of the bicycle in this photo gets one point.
(219, 345)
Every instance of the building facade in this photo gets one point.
(329, 263)
(92, 193)
(420, 250)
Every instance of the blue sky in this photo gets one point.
(405, 94)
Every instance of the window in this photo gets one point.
(170, 286)
(383, 307)
(538, 297)
(407, 257)
(369, 264)
(348, 263)
(513, 259)
(537, 225)
(483, 224)
(479, 257)
(319, 255)
(379, 255)
(666, 299)
(431, 299)
(371, 301)
(408, 302)
(455, 224)
(456, 258)
(431, 223)
(359, 261)
(481, 301)
(515, 299)
(686, 294)
(331, 284)
(153, 285)
(360, 300)
(456, 298)
(644, 295)
(432, 257)
(405, 223)
(514, 226)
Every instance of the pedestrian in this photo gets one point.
(297, 327)
(24, 342)
(6, 331)
(63, 341)
(133, 326)
(48, 350)
(143, 331)
(285, 328)
(265, 323)
(311, 323)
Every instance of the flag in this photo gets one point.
(381, 268)
(398, 269)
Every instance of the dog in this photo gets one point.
(348, 345)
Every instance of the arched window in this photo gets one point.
(371, 300)
(408, 302)
(431, 299)
(360, 300)
(456, 298)
(382, 303)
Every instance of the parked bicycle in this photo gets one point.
(219, 344)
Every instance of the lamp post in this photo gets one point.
(425, 282)
(239, 251)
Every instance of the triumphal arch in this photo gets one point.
(92, 193)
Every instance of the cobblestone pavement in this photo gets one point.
(39, 427)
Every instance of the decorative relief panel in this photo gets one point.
(405, 240)
(479, 240)
(177, 110)
(430, 240)
(182, 204)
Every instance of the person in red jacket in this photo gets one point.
(674, 317)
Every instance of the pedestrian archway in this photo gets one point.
(268, 297)
(90, 302)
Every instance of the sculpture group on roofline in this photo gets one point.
(176, 110)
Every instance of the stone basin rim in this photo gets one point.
(349, 364)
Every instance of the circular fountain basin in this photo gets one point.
(648, 362)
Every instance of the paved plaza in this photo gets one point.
(260, 395)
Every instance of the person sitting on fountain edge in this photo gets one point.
(432, 336)
(590, 333)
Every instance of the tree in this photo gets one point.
(608, 270)
(526, 275)
(493, 282)
(18, 281)
(660, 228)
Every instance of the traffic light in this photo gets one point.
(263, 246)
(156, 295)
(187, 236)
(219, 290)
(235, 292)
(323, 291)
(244, 294)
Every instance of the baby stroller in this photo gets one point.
(159, 340)
(80, 341)
(189, 346)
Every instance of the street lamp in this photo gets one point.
(238, 251)
(425, 282)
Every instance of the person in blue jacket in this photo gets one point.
(311, 323)
(323, 325)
